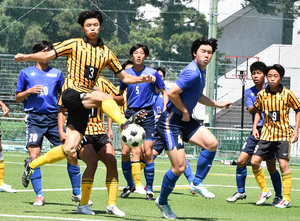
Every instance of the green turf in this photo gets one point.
(220, 181)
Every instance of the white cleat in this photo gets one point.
(7, 188)
(283, 204)
(200, 189)
(165, 210)
(263, 197)
(113, 209)
(77, 199)
(237, 196)
(84, 209)
(39, 201)
(140, 190)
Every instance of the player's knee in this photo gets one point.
(241, 162)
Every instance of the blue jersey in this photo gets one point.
(52, 80)
(192, 82)
(250, 97)
(141, 95)
(158, 106)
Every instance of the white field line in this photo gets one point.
(22, 217)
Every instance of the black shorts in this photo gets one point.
(98, 141)
(267, 149)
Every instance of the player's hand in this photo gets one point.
(110, 135)
(186, 117)
(226, 104)
(62, 136)
(36, 89)
(20, 58)
(294, 136)
(149, 78)
(255, 134)
(5, 110)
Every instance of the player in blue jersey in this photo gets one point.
(176, 125)
(38, 87)
(158, 145)
(258, 77)
(140, 96)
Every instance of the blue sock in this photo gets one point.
(276, 180)
(203, 165)
(188, 172)
(167, 186)
(126, 168)
(149, 175)
(241, 174)
(154, 157)
(36, 182)
(75, 177)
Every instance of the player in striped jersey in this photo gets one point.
(86, 58)
(277, 135)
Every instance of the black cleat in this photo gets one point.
(28, 171)
(135, 118)
(127, 190)
(150, 195)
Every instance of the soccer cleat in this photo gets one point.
(113, 209)
(283, 204)
(150, 195)
(84, 209)
(276, 201)
(165, 210)
(237, 196)
(7, 188)
(140, 190)
(39, 201)
(263, 197)
(200, 189)
(28, 171)
(135, 118)
(77, 199)
(127, 190)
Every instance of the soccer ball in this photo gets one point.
(133, 135)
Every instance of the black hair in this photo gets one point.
(162, 69)
(137, 46)
(257, 65)
(276, 67)
(129, 61)
(41, 45)
(203, 41)
(93, 13)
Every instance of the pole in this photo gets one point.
(243, 97)
(211, 69)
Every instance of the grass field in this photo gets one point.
(220, 181)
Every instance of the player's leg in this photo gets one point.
(107, 156)
(276, 180)
(127, 171)
(149, 168)
(136, 169)
(204, 138)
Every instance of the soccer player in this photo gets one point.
(86, 58)
(158, 145)
(140, 96)
(275, 101)
(176, 125)
(4, 187)
(38, 87)
(258, 77)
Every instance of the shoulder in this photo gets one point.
(149, 70)
(67, 42)
(27, 70)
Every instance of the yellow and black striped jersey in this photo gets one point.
(95, 125)
(276, 108)
(85, 61)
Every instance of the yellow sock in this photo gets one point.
(286, 185)
(112, 189)
(260, 179)
(112, 110)
(142, 165)
(86, 189)
(1, 172)
(136, 173)
(52, 156)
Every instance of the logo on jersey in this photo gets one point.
(32, 74)
(51, 75)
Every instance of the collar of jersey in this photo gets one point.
(99, 42)
(279, 90)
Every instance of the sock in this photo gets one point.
(260, 179)
(188, 172)
(167, 186)
(203, 165)
(241, 175)
(52, 156)
(149, 175)
(143, 164)
(75, 177)
(36, 181)
(1, 171)
(286, 184)
(276, 180)
(126, 168)
(136, 173)
(86, 189)
(154, 157)
(112, 110)
(112, 189)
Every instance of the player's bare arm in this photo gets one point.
(295, 134)
(165, 98)
(255, 132)
(130, 79)
(38, 57)
(4, 109)
(252, 110)
(61, 123)
(209, 102)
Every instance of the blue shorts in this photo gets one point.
(40, 125)
(148, 124)
(174, 131)
(159, 144)
(250, 143)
